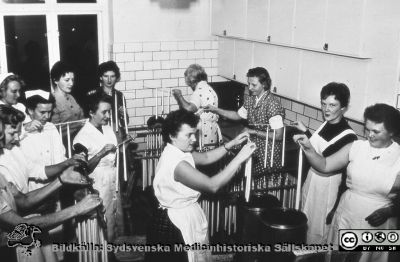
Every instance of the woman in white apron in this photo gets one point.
(100, 140)
(319, 191)
(373, 169)
(177, 186)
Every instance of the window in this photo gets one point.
(34, 34)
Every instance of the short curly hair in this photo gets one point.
(95, 99)
(194, 74)
(263, 76)
(108, 66)
(174, 121)
(339, 90)
(33, 101)
(59, 70)
(383, 113)
(11, 116)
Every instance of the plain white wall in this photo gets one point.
(148, 20)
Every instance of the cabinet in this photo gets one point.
(309, 23)
(344, 25)
(229, 16)
(257, 19)
(226, 51)
(281, 21)
(243, 60)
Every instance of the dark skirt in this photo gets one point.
(162, 231)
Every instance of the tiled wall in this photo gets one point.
(149, 65)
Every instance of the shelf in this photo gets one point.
(354, 56)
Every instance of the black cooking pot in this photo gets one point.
(284, 225)
(250, 224)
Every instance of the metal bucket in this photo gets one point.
(284, 225)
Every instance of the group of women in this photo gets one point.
(350, 185)
(99, 136)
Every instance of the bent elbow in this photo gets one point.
(214, 189)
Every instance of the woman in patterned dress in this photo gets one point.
(203, 95)
(260, 109)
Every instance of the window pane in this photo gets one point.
(76, 1)
(26, 48)
(79, 47)
(23, 1)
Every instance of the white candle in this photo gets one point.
(127, 133)
(169, 100)
(69, 142)
(116, 112)
(117, 171)
(247, 174)
(283, 146)
(266, 148)
(272, 149)
(156, 103)
(298, 188)
(162, 101)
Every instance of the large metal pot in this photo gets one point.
(250, 224)
(284, 225)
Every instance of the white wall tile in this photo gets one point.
(151, 65)
(177, 72)
(169, 82)
(186, 45)
(118, 48)
(144, 111)
(129, 95)
(128, 75)
(151, 46)
(204, 62)
(178, 55)
(133, 66)
(124, 57)
(145, 56)
(169, 64)
(159, 74)
(202, 45)
(169, 46)
(133, 47)
(134, 84)
(142, 75)
(184, 63)
(152, 83)
(136, 120)
(163, 55)
(144, 93)
(210, 53)
(195, 54)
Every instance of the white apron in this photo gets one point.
(104, 175)
(181, 202)
(319, 193)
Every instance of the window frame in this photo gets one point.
(51, 9)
